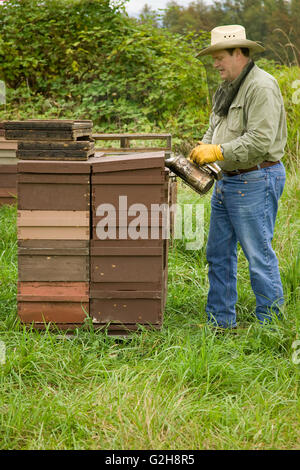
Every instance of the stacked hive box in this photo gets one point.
(66, 272)
(8, 169)
(128, 268)
(53, 224)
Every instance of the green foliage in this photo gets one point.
(275, 23)
(86, 59)
(89, 57)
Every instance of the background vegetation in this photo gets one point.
(275, 23)
(182, 387)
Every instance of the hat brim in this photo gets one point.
(252, 45)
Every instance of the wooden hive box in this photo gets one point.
(8, 184)
(48, 130)
(8, 152)
(54, 186)
(128, 275)
(53, 242)
(63, 302)
(60, 150)
(53, 225)
(126, 182)
(126, 308)
(53, 260)
(8, 171)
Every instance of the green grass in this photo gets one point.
(179, 388)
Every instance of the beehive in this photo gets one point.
(66, 272)
(8, 171)
(128, 273)
(53, 241)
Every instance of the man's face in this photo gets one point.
(226, 64)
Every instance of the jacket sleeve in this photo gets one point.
(263, 110)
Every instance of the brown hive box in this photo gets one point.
(67, 150)
(8, 184)
(124, 181)
(8, 152)
(128, 275)
(140, 177)
(49, 130)
(126, 307)
(64, 302)
(133, 267)
(53, 225)
(8, 172)
(54, 186)
(53, 260)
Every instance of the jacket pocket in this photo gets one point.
(235, 119)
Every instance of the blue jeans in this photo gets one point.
(243, 209)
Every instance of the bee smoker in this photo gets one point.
(200, 179)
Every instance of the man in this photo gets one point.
(246, 136)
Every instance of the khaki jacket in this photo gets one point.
(254, 129)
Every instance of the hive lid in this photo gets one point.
(133, 161)
(59, 124)
(47, 166)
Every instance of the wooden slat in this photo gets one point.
(126, 251)
(138, 136)
(31, 166)
(9, 161)
(53, 233)
(8, 144)
(116, 268)
(53, 218)
(53, 289)
(67, 146)
(7, 154)
(126, 310)
(48, 124)
(54, 197)
(130, 150)
(7, 201)
(62, 312)
(53, 268)
(12, 169)
(129, 162)
(8, 192)
(32, 134)
(135, 176)
(66, 246)
(126, 294)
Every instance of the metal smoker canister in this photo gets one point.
(199, 179)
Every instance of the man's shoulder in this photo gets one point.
(259, 78)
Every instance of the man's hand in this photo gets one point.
(205, 153)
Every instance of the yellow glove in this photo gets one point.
(206, 153)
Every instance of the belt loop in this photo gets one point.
(258, 167)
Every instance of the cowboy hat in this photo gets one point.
(227, 37)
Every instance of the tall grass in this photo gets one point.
(179, 388)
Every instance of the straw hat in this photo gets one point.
(231, 36)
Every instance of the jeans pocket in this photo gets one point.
(257, 175)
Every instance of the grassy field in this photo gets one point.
(180, 388)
